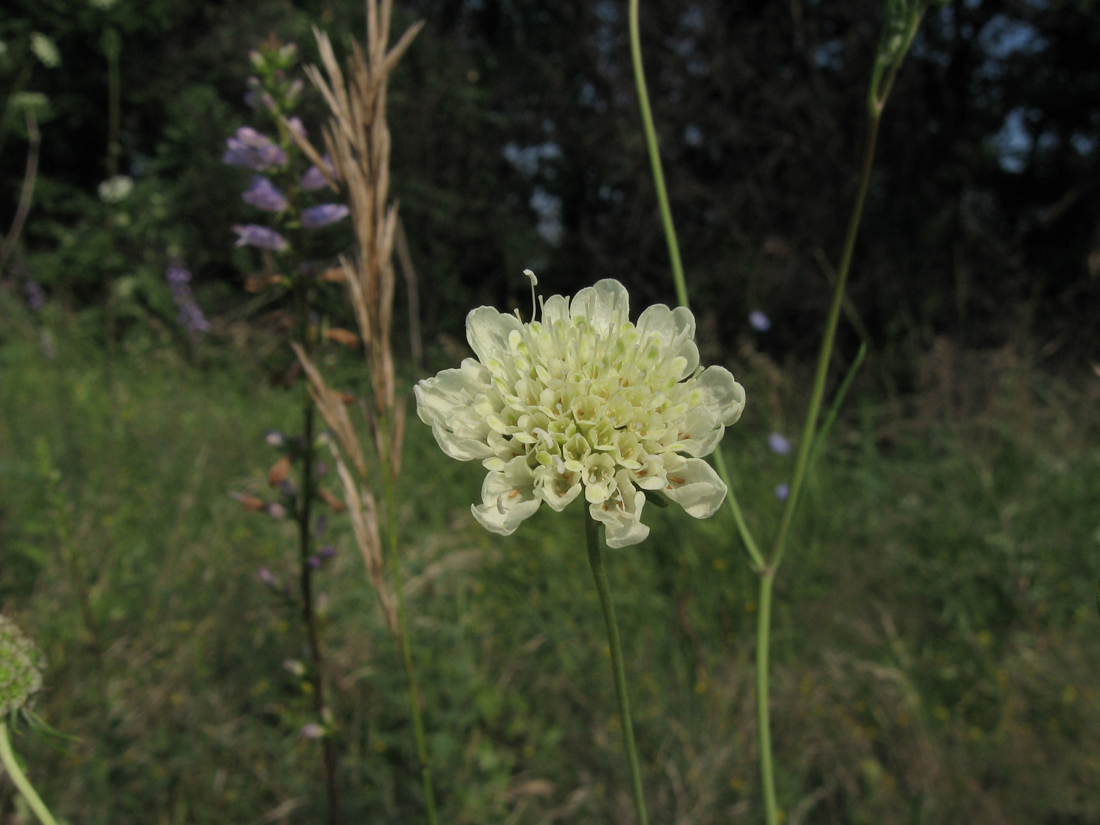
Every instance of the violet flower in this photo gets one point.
(260, 237)
(782, 491)
(36, 298)
(323, 214)
(759, 321)
(778, 443)
(190, 316)
(313, 180)
(263, 195)
(253, 150)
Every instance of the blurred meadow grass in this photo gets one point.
(935, 656)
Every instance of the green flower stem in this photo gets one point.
(7, 757)
(828, 338)
(767, 575)
(595, 559)
(756, 559)
(403, 642)
(655, 158)
(763, 710)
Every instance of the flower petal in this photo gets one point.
(622, 516)
(716, 389)
(487, 331)
(605, 305)
(508, 497)
(697, 488)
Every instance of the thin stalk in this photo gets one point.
(595, 559)
(767, 577)
(655, 157)
(756, 558)
(26, 192)
(19, 779)
(112, 45)
(309, 616)
(828, 338)
(404, 643)
(763, 709)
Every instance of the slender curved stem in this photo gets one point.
(828, 338)
(767, 577)
(20, 780)
(655, 157)
(595, 559)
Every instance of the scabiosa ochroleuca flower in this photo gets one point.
(21, 666)
(583, 400)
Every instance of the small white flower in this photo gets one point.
(116, 189)
(584, 401)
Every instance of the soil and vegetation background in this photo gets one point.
(936, 649)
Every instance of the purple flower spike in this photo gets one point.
(263, 195)
(322, 215)
(782, 491)
(759, 321)
(315, 562)
(326, 552)
(190, 317)
(778, 443)
(313, 180)
(260, 237)
(250, 149)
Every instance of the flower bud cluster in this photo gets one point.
(21, 666)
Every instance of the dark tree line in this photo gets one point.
(517, 143)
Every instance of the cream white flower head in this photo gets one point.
(584, 401)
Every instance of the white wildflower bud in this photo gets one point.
(21, 666)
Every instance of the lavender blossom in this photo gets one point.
(313, 180)
(263, 195)
(323, 214)
(295, 123)
(782, 491)
(190, 316)
(778, 443)
(260, 237)
(253, 150)
(759, 321)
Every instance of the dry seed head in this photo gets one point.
(21, 666)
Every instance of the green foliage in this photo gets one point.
(935, 662)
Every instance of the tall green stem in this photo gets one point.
(763, 722)
(809, 427)
(655, 157)
(595, 559)
(19, 779)
(404, 642)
